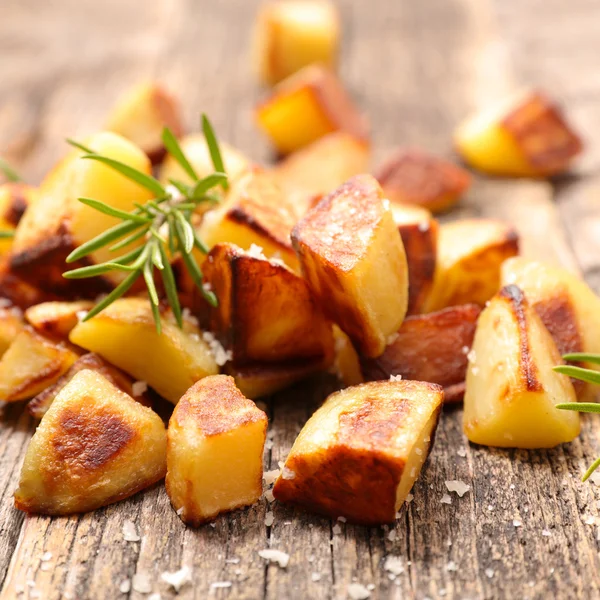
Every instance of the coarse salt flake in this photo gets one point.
(130, 533)
(269, 519)
(138, 388)
(287, 473)
(392, 535)
(517, 523)
(393, 564)
(315, 576)
(141, 583)
(446, 499)
(269, 497)
(395, 377)
(46, 556)
(275, 556)
(489, 573)
(178, 579)
(462, 452)
(451, 566)
(546, 532)
(357, 591)
(220, 585)
(125, 586)
(409, 498)
(457, 486)
(256, 251)
(336, 529)
(219, 353)
(271, 476)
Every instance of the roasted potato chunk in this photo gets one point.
(11, 324)
(307, 106)
(14, 200)
(141, 114)
(413, 177)
(56, 319)
(196, 150)
(321, 167)
(125, 335)
(470, 254)
(256, 212)
(266, 312)
(358, 456)
(58, 222)
(17, 291)
(38, 406)
(347, 362)
(263, 379)
(291, 35)
(524, 136)
(94, 446)
(419, 233)
(353, 259)
(216, 441)
(31, 364)
(431, 347)
(512, 389)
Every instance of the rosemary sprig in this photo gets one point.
(164, 223)
(9, 173)
(589, 376)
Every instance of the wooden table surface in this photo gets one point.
(416, 67)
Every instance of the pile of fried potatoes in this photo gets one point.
(317, 265)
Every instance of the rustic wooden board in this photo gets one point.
(417, 68)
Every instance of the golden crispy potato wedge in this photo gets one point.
(568, 307)
(215, 451)
(322, 166)
(196, 150)
(526, 135)
(419, 233)
(58, 222)
(95, 446)
(305, 107)
(11, 324)
(414, 177)
(358, 455)
(266, 312)
(431, 347)
(14, 200)
(17, 291)
(353, 259)
(56, 319)
(255, 212)
(141, 114)
(263, 379)
(31, 364)
(38, 406)
(125, 335)
(291, 35)
(512, 389)
(470, 254)
(347, 362)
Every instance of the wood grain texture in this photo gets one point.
(527, 528)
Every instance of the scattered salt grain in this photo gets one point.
(590, 520)
(517, 523)
(475, 370)
(457, 486)
(512, 486)
(46, 556)
(271, 476)
(219, 353)
(342, 519)
(219, 585)
(409, 498)
(155, 596)
(130, 533)
(178, 579)
(46, 566)
(269, 444)
(395, 377)
(269, 496)
(489, 573)
(490, 507)
(180, 511)
(357, 591)
(465, 349)
(471, 356)
(141, 583)
(269, 519)
(392, 535)
(336, 529)
(462, 452)
(423, 226)
(256, 251)
(125, 586)
(81, 314)
(287, 473)
(546, 533)
(393, 565)
(139, 388)
(451, 566)
(315, 576)
(446, 499)
(276, 556)
(233, 561)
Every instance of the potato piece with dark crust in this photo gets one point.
(14, 200)
(38, 406)
(359, 454)
(419, 233)
(215, 451)
(256, 212)
(58, 223)
(263, 379)
(470, 255)
(95, 446)
(11, 324)
(56, 319)
(141, 114)
(523, 136)
(414, 177)
(305, 107)
(352, 256)
(32, 363)
(431, 347)
(19, 292)
(512, 388)
(266, 312)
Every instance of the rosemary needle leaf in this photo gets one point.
(157, 260)
(121, 289)
(114, 212)
(170, 287)
(592, 468)
(208, 183)
(129, 239)
(583, 357)
(95, 270)
(213, 148)
(9, 173)
(114, 233)
(156, 315)
(80, 146)
(579, 373)
(587, 407)
(199, 243)
(149, 279)
(183, 189)
(174, 149)
(6, 235)
(185, 233)
(140, 178)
